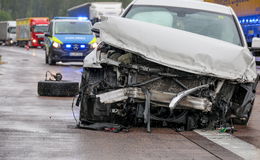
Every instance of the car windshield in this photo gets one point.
(12, 30)
(73, 28)
(211, 24)
(40, 28)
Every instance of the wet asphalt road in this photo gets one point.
(33, 127)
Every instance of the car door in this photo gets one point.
(47, 40)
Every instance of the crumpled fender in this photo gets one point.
(91, 60)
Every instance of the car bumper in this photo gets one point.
(64, 55)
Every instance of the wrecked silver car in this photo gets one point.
(180, 64)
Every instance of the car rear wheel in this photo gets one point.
(58, 88)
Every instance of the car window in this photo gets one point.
(159, 16)
(72, 28)
(40, 28)
(12, 30)
(214, 25)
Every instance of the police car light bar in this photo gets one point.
(74, 18)
(250, 20)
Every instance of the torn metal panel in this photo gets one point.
(156, 96)
(179, 49)
(174, 102)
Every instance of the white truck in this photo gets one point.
(94, 11)
(7, 32)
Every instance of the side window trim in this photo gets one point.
(126, 12)
(239, 31)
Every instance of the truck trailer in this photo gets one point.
(30, 31)
(248, 12)
(8, 32)
(94, 11)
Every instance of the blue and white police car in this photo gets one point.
(69, 39)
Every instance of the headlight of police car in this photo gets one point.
(56, 45)
(94, 45)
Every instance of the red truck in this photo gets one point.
(30, 31)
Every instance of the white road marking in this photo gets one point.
(233, 144)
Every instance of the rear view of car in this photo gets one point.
(69, 40)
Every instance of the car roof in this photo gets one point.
(193, 4)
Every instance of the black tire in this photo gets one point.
(46, 58)
(50, 60)
(244, 121)
(58, 88)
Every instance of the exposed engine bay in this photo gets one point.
(130, 90)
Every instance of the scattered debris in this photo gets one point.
(109, 127)
(230, 130)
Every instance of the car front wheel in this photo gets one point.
(46, 57)
(50, 60)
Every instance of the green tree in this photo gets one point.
(44, 8)
(5, 16)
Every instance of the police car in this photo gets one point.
(69, 39)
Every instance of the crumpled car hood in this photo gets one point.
(179, 49)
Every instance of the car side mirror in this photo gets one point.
(47, 34)
(96, 31)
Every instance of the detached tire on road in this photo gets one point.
(58, 88)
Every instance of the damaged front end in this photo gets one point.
(131, 91)
(132, 80)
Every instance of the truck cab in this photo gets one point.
(11, 33)
(8, 32)
(69, 39)
(30, 31)
(37, 32)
